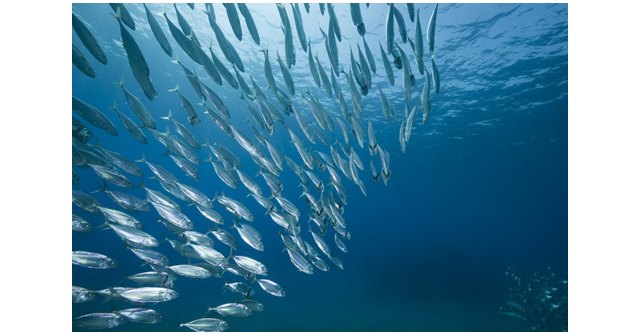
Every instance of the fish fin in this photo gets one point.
(168, 117)
(175, 89)
(142, 159)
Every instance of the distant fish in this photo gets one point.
(297, 17)
(435, 75)
(232, 309)
(126, 17)
(138, 107)
(271, 287)
(419, 47)
(149, 294)
(356, 17)
(140, 315)
(387, 66)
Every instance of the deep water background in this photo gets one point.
(482, 186)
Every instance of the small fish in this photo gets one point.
(149, 294)
(208, 254)
(431, 31)
(81, 295)
(128, 124)
(150, 256)
(206, 325)
(225, 237)
(92, 260)
(250, 236)
(248, 20)
(234, 20)
(81, 62)
(251, 265)
(299, 262)
(88, 40)
(134, 237)
(232, 309)
(435, 75)
(271, 287)
(79, 224)
(140, 315)
(93, 115)
(99, 320)
(253, 305)
(157, 32)
(297, 18)
(190, 271)
(153, 278)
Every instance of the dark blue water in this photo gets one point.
(481, 186)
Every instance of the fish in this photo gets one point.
(137, 61)
(387, 67)
(82, 295)
(419, 47)
(206, 325)
(150, 256)
(253, 305)
(208, 254)
(149, 294)
(111, 175)
(93, 115)
(425, 99)
(234, 20)
(191, 236)
(286, 75)
(92, 260)
(210, 214)
(153, 278)
(126, 17)
(341, 245)
(232, 309)
(175, 217)
(402, 29)
(99, 320)
(271, 287)
(118, 217)
(299, 262)
(370, 59)
(184, 25)
(235, 207)
(88, 40)
(140, 315)
(192, 116)
(431, 31)
(195, 195)
(81, 62)
(129, 125)
(312, 66)
(79, 224)
(80, 131)
(325, 79)
(185, 43)
(297, 18)
(250, 265)
(157, 32)
(190, 271)
(128, 201)
(248, 20)
(290, 55)
(412, 11)
(435, 75)
(138, 107)
(134, 237)
(389, 28)
(333, 21)
(225, 237)
(356, 17)
(250, 236)
(373, 144)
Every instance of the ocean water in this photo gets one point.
(481, 187)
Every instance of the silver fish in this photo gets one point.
(208, 254)
(389, 29)
(149, 294)
(79, 224)
(135, 237)
(232, 309)
(121, 218)
(250, 265)
(271, 287)
(81, 294)
(92, 260)
(207, 325)
(174, 216)
(225, 237)
(436, 76)
(99, 320)
(356, 17)
(190, 271)
(154, 278)
(137, 61)
(297, 18)
(140, 315)
(419, 46)
(299, 262)
(250, 236)
(131, 126)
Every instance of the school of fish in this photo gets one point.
(331, 142)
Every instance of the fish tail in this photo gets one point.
(142, 159)
(168, 117)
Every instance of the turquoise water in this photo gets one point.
(481, 186)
